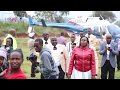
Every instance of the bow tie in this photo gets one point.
(46, 42)
(54, 48)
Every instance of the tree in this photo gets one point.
(20, 13)
(104, 15)
(50, 15)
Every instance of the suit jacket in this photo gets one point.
(64, 58)
(64, 61)
(111, 55)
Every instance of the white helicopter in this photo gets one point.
(98, 26)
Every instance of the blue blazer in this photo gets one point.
(112, 54)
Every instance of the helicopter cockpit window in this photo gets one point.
(103, 29)
(113, 29)
(96, 31)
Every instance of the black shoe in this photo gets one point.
(33, 75)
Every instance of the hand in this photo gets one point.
(109, 49)
(3, 72)
(93, 77)
(37, 70)
(68, 76)
(106, 48)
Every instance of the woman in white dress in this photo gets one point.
(82, 64)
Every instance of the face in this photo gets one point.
(81, 34)
(54, 41)
(15, 60)
(89, 32)
(84, 42)
(108, 39)
(46, 36)
(8, 42)
(1, 60)
(73, 46)
(12, 32)
(37, 46)
(103, 33)
(72, 38)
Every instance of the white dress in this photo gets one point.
(80, 75)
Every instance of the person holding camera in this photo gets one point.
(32, 53)
(48, 68)
(108, 50)
(14, 72)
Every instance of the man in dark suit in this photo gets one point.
(108, 50)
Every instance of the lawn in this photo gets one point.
(26, 66)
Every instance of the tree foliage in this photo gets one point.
(20, 13)
(104, 15)
(50, 15)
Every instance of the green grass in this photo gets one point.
(20, 27)
(23, 27)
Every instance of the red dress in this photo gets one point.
(18, 75)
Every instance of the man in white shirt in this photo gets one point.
(78, 37)
(69, 44)
(60, 55)
(92, 38)
(46, 40)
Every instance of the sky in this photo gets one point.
(72, 14)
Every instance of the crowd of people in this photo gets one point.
(59, 58)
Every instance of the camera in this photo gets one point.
(32, 57)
